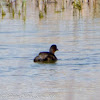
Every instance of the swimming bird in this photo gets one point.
(47, 57)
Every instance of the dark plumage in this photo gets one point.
(48, 57)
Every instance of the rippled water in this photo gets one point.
(75, 76)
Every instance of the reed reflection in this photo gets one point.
(18, 8)
(13, 8)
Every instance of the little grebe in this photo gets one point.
(48, 57)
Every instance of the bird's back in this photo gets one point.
(45, 57)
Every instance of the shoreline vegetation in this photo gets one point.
(19, 7)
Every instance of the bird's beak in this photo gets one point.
(57, 50)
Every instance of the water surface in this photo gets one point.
(75, 76)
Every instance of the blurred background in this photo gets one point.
(28, 27)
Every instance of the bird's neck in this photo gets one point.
(52, 51)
